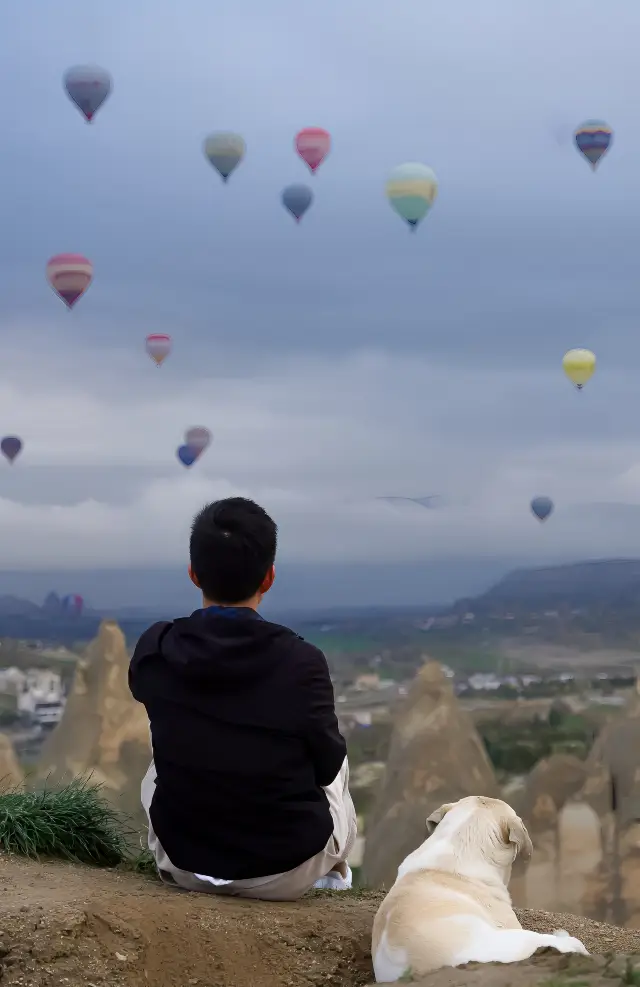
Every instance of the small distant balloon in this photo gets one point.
(69, 275)
(431, 501)
(88, 87)
(198, 438)
(412, 189)
(542, 507)
(224, 151)
(187, 455)
(593, 139)
(579, 366)
(11, 446)
(72, 604)
(297, 199)
(158, 346)
(313, 144)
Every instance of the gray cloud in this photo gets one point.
(343, 359)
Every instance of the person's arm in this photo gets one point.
(146, 647)
(320, 727)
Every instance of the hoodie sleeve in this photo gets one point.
(146, 647)
(320, 726)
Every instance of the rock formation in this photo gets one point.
(11, 774)
(436, 756)
(104, 732)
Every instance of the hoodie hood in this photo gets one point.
(223, 643)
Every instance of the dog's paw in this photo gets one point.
(561, 933)
(569, 944)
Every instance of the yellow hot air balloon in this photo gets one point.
(579, 366)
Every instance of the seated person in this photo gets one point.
(247, 792)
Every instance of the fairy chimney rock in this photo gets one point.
(11, 774)
(436, 756)
(104, 732)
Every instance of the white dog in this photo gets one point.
(450, 905)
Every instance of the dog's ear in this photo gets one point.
(516, 833)
(437, 817)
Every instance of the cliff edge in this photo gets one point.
(81, 927)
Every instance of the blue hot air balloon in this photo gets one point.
(542, 507)
(297, 199)
(10, 447)
(187, 455)
(593, 139)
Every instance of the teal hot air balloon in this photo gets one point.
(297, 199)
(224, 151)
(593, 139)
(412, 189)
(542, 507)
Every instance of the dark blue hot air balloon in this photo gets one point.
(542, 507)
(593, 139)
(10, 446)
(187, 455)
(297, 199)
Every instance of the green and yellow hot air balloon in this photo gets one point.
(411, 190)
(579, 366)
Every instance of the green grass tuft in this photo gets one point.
(73, 823)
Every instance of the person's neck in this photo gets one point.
(251, 604)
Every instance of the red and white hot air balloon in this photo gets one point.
(69, 275)
(313, 144)
(158, 346)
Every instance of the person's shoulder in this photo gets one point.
(150, 639)
(299, 647)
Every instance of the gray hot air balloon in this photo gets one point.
(88, 86)
(297, 199)
(542, 507)
(225, 151)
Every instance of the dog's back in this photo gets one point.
(427, 919)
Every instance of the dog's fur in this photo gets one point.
(450, 905)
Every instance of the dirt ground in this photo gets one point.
(68, 926)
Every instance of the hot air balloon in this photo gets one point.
(297, 199)
(430, 501)
(10, 447)
(88, 86)
(411, 190)
(72, 604)
(579, 366)
(594, 138)
(225, 151)
(158, 346)
(542, 507)
(187, 455)
(69, 275)
(313, 144)
(197, 438)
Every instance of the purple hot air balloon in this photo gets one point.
(187, 455)
(88, 86)
(297, 199)
(10, 447)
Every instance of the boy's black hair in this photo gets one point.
(232, 547)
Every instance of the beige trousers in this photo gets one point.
(277, 887)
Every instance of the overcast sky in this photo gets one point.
(346, 358)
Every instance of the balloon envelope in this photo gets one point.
(69, 275)
(297, 199)
(593, 139)
(158, 346)
(579, 366)
(412, 189)
(187, 455)
(313, 144)
(542, 507)
(198, 438)
(72, 603)
(88, 86)
(225, 151)
(10, 446)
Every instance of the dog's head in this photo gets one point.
(486, 825)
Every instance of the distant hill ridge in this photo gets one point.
(608, 583)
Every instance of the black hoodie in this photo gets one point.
(244, 735)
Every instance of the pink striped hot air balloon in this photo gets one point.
(158, 346)
(69, 275)
(313, 144)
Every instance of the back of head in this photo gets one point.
(232, 549)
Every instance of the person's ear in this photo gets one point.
(193, 577)
(268, 580)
